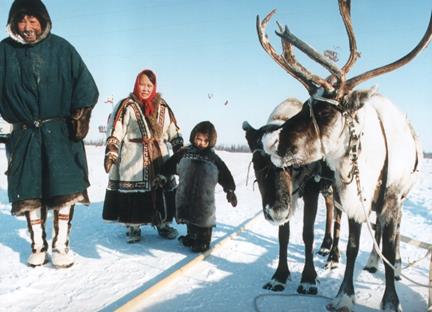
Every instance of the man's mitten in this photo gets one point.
(80, 123)
(231, 198)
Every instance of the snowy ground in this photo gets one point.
(108, 272)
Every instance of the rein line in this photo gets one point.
(250, 163)
(315, 123)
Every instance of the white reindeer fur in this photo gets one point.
(402, 153)
(285, 111)
(403, 150)
(278, 116)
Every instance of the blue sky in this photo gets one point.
(206, 54)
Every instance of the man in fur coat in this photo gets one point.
(47, 94)
(199, 169)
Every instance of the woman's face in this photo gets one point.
(201, 140)
(145, 87)
(29, 28)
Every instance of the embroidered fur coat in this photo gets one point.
(141, 143)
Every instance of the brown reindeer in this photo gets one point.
(281, 189)
(364, 139)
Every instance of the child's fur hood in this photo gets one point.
(205, 127)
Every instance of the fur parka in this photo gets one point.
(41, 84)
(199, 171)
(141, 143)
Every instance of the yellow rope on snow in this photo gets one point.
(135, 303)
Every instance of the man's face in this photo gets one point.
(29, 28)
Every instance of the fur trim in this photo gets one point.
(58, 202)
(20, 207)
(28, 7)
(156, 127)
(205, 127)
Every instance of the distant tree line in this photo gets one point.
(234, 148)
(97, 142)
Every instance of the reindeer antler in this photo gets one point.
(287, 61)
(345, 11)
(427, 37)
(336, 83)
(290, 38)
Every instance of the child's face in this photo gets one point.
(201, 140)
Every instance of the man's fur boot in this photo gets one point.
(61, 254)
(36, 226)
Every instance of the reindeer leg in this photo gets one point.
(346, 297)
(309, 275)
(398, 261)
(390, 301)
(327, 241)
(334, 255)
(282, 273)
(373, 260)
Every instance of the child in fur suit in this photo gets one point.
(199, 170)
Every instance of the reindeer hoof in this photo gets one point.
(391, 306)
(274, 285)
(307, 289)
(370, 269)
(324, 252)
(330, 265)
(331, 307)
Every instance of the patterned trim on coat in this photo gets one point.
(146, 152)
(161, 118)
(205, 157)
(128, 186)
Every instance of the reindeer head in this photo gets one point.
(310, 134)
(275, 184)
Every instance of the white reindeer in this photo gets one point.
(363, 137)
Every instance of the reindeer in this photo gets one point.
(280, 190)
(364, 139)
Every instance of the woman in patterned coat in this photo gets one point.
(139, 131)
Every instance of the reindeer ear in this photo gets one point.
(246, 126)
(356, 99)
(252, 135)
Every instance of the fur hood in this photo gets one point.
(205, 127)
(28, 7)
